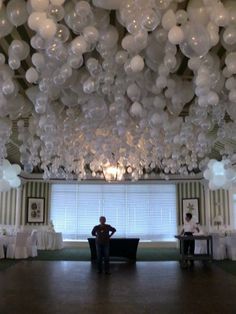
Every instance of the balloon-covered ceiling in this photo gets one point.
(141, 85)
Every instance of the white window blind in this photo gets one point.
(147, 211)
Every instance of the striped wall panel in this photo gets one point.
(34, 189)
(191, 190)
(219, 205)
(8, 207)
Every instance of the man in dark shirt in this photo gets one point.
(103, 232)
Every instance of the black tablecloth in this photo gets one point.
(119, 247)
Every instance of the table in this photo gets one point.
(208, 256)
(49, 240)
(119, 247)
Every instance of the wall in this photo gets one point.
(211, 203)
(8, 202)
(8, 207)
(34, 189)
(191, 190)
(220, 205)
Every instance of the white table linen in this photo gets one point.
(49, 240)
(231, 246)
(219, 246)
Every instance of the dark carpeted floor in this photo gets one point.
(143, 254)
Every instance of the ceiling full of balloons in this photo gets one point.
(143, 86)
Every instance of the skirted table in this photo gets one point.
(49, 240)
(119, 247)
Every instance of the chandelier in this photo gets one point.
(113, 173)
(119, 88)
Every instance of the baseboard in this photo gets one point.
(142, 244)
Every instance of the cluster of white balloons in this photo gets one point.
(220, 174)
(133, 84)
(9, 176)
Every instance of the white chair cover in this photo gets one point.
(231, 247)
(219, 246)
(32, 244)
(19, 248)
(2, 254)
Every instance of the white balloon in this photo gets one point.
(31, 75)
(176, 35)
(17, 12)
(36, 19)
(4, 185)
(15, 183)
(57, 2)
(79, 45)
(47, 29)
(5, 26)
(91, 34)
(16, 168)
(168, 20)
(137, 63)
(107, 4)
(39, 5)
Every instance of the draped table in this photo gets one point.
(47, 240)
(119, 247)
(224, 245)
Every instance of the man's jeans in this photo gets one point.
(102, 253)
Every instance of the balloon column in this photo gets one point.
(136, 84)
(9, 176)
(220, 174)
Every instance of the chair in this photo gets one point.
(2, 254)
(32, 244)
(19, 248)
(219, 246)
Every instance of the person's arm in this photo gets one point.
(112, 230)
(196, 227)
(182, 232)
(94, 231)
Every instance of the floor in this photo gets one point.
(70, 287)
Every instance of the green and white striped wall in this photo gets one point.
(219, 205)
(191, 190)
(8, 202)
(34, 189)
(8, 207)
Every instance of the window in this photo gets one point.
(147, 211)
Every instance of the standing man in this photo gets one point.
(103, 232)
(188, 230)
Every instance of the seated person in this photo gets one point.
(189, 229)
